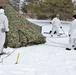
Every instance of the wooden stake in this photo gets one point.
(17, 58)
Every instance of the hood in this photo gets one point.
(1, 11)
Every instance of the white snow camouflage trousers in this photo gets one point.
(54, 28)
(2, 40)
(72, 41)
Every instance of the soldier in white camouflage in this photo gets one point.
(3, 29)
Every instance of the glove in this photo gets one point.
(69, 35)
(50, 23)
(60, 27)
(3, 30)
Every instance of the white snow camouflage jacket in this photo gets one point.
(3, 21)
(72, 30)
(56, 22)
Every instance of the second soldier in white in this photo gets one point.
(72, 34)
(56, 24)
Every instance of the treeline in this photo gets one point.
(49, 8)
(44, 9)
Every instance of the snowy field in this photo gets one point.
(50, 58)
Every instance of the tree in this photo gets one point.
(22, 32)
(15, 4)
(63, 7)
(24, 8)
(50, 7)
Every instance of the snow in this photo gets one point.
(50, 58)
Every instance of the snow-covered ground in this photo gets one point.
(50, 58)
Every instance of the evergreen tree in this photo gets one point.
(51, 7)
(22, 32)
(24, 8)
(15, 4)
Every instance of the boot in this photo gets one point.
(68, 49)
(74, 48)
(2, 53)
